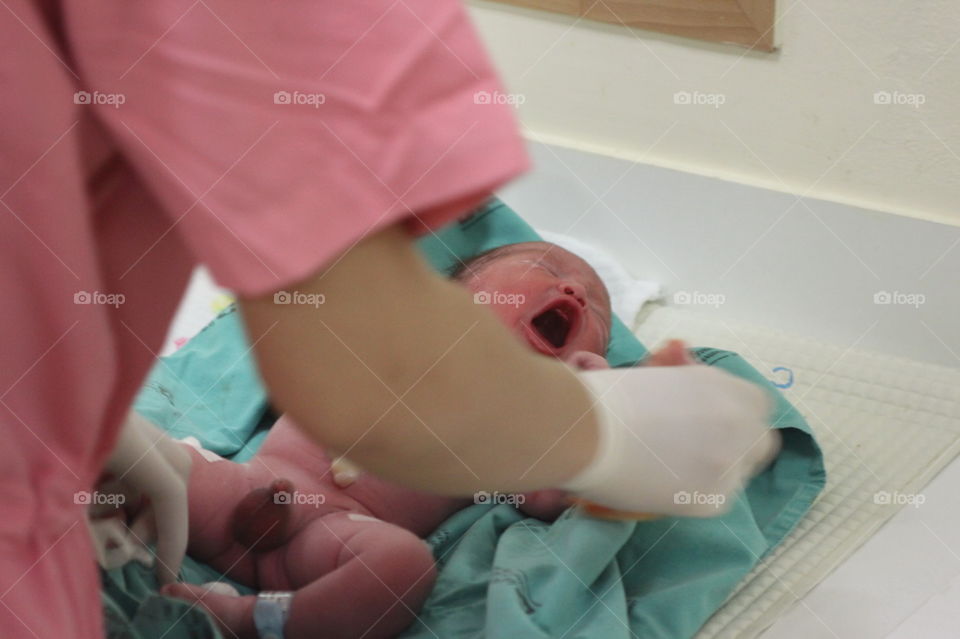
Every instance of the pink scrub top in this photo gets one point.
(141, 138)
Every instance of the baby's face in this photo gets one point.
(549, 297)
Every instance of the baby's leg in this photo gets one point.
(371, 579)
(231, 612)
(352, 575)
(215, 489)
(216, 486)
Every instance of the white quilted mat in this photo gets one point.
(887, 426)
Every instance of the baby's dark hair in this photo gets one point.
(461, 270)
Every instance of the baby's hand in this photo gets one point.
(674, 353)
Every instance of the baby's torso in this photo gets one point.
(217, 487)
(308, 466)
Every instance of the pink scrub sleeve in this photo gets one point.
(275, 135)
(139, 138)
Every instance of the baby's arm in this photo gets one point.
(545, 505)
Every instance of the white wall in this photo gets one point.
(800, 120)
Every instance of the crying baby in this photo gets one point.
(341, 552)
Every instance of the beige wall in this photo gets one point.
(803, 119)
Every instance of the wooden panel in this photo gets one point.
(748, 23)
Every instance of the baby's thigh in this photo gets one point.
(361, 545)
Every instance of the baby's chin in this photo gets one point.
(586, 361)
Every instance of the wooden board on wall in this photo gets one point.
(748, 23)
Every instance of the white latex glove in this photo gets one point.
(676, 440)
(146, 460)
(116, 545)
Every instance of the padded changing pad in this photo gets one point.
(887, 426)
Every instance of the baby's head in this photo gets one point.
(548, 296)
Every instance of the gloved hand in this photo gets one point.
(147, 462)
(674, 440)
(115, 545)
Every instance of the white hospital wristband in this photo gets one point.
(270, 613)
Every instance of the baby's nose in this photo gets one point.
(575, 290)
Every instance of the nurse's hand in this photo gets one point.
(674, 440)
(147, 462)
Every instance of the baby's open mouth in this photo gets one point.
(553, 326)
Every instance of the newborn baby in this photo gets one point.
(349, 547)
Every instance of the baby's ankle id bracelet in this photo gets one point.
(270, 613)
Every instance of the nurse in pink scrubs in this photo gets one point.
(293, 146)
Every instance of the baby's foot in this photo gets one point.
(232, 612)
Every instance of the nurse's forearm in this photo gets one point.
(399, 370)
